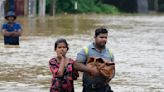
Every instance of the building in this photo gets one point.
(26, 7)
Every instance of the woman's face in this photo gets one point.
(61, 49)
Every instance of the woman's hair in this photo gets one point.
(99, 31)
(61, 40)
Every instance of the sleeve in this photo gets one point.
(111, 55)
(75, 73)
(112, 58)
(4, 26)
(81, 57)
(18, 27)
(53, 67)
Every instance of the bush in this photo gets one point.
(85, 6)
(109, 9)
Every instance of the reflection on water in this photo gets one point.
(59, 25)
(137, 42)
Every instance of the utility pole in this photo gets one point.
(32, 8)
(2, 9)
(42, 9)
(75, 5)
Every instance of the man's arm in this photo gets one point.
(83, 68)
(80, 64)
(18, 31)
(14, 33)
(6, 33)
(4, 30)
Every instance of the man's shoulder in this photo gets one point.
(87, 47)
(90, 46)
(17, 23)
(4, 24)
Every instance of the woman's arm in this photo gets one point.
(61, 68)
(56, 68)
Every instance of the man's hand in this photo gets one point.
(5, 33)
(93, 71)
(16, 33)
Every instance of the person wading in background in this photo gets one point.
(11, 29)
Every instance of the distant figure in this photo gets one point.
(11, 29)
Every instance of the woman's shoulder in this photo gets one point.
(71, 60)
(53, 60)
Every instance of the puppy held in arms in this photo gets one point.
(106, 68)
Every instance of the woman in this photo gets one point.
(62, 69)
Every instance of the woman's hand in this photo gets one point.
(60, 57)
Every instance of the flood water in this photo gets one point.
(137, 43)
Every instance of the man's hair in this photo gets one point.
(61, 40)
(99, 31)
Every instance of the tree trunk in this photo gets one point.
(52, 7)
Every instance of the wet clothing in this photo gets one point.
(10, 40)
(65, 82)
(89, 81)
(97, 88)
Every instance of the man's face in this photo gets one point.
(10, 19)
(101, 39)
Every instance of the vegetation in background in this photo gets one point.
(84, 6)
(100, 6)
(48, 6)
(123, 5)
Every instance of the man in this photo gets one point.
(96, 83)
(11, 29)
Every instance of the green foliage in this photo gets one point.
(109, 9)
(84, 6)
(48, 6)
(64, 6)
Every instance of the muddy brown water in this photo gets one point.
(137, 43)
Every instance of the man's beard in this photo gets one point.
(101, 46)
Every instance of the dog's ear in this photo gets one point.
(109, 63)
(100, 60)
(90, 60)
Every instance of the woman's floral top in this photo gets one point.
(65, 82)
